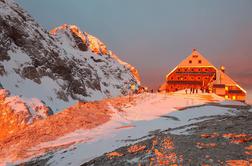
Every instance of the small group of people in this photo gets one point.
(196, 90)
(192, 91)
(143, 89)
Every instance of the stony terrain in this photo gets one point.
(222, 140)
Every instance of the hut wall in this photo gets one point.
(190, 77)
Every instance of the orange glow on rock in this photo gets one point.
(114, 154)
(231, 135)
(242, 140)
(166, 154)
(15, 114)
(96, 46)
(210, 135)
(10, 122)
(93, 43)
(248, 150)
(136, 148)
(238, 163)
(165, 159)
(238, 138)
(80, 116)
(201, 145)
(168, 144)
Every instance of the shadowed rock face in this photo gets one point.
(82, 46)
(58, 69)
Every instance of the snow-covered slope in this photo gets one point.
(58, 69)
(76, 135)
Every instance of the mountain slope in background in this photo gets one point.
(61, 68)
(85, 41)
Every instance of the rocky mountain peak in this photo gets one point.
(85, 41)
(81, 38)
(59, 68)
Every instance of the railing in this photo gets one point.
(185, 82)
(195, 73)
(235, 91)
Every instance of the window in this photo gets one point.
(190, 61)
(226, 88)
(199, 61)
(198, 78)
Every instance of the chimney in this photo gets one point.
(222, 68)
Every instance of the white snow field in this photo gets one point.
(147, 114)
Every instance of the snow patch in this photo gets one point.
(145, 114)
